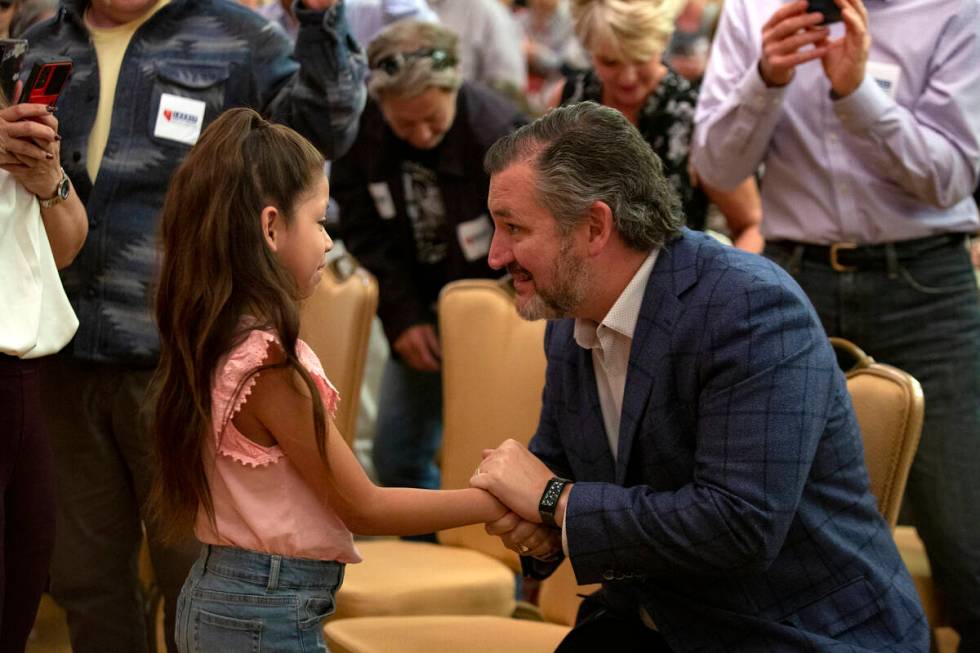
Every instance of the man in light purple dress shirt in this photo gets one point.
(869, 131)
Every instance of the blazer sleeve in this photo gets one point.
(767, 376)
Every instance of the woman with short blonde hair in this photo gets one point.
(636, 28)
(626, 40)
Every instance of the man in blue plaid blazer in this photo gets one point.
(730, 508)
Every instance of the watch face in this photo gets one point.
(552, 493)
(64, 188)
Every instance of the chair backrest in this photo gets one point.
(889, 406)
(493, 368)
(336, 323)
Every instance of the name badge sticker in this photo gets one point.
(179, 119)
(886, 75)
(381, 195)
(474, 237)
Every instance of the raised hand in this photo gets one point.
(845, 60)
(785, 34)
(319, 5)
(29, 147)
(418, 346)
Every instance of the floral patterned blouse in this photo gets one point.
(666, 121)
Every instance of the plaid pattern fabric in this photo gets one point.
(737, 512)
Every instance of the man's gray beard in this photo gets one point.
(572, 284)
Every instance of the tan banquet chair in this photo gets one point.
(560, 599)
(493, 374)
(889, 406)
(336, 323)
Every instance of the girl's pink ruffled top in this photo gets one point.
(261, 502)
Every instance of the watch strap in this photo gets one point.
(61, 192)
(549, 500)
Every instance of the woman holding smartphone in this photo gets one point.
(42, 227)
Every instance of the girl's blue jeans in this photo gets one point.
(248, 602)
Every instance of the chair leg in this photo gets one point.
(152, 601)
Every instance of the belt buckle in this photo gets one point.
(834, 263)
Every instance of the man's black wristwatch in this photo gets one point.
(549, 500)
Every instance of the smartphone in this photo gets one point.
(12, 53)
(46, 81)
(829, 9)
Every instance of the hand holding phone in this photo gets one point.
(29, 148)
(829, 9)
(791, 37)
(47, 80)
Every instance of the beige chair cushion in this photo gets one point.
(560, 598)
(336, 323)
(443, 635)
(414, 578)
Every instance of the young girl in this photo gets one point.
(248, 453)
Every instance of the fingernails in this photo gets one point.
(48, 155)
(57, 137)
(51, 108)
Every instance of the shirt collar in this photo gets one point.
(625, 311)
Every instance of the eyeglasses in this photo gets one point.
(391, 64)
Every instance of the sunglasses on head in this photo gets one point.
(395, 62)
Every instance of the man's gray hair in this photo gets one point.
(586, 152)
(413, 75)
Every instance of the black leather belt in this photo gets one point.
(851, 257)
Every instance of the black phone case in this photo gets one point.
(829, 9)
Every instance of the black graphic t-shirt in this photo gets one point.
(426, 211)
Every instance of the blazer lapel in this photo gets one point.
(674, 272)
(591, 425)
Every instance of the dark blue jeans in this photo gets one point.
(409, 427)
(98, 417)
(922, 315)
